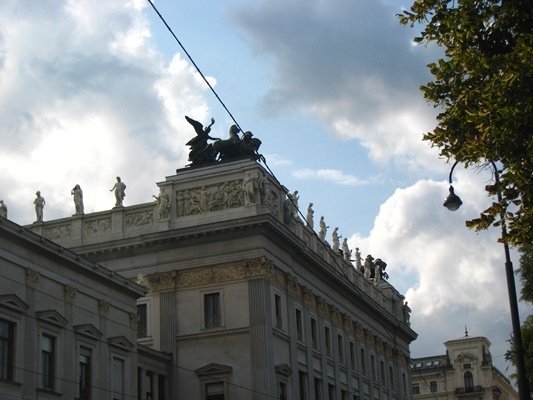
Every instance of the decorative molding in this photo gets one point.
(70, 293)
(57, 232)
(13, 302)
(161, 281)
(103, 307)
(121, 342)
(139, 219)
(32, 278)
(88, 330)
(51, 316)
(283, 369)
(214, 369)
(97, 226)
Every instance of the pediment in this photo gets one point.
(466, 357)
(214, 369)
(120, 341)
(88, 330)
(13, 302)
(51, 316)
(283, 369)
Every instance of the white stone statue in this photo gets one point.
(335, 237)
(39, 206)
(309, 217)
(78, 199)
(358, 260)
(368, 266)
(346, 252)
(163, 203)
(3, 209)
(323, 229)
(249, 189)
(120, 192)
(294, 198)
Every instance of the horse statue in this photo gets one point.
(235, 146)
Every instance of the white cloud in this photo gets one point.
(329, 175)
(84, 97)
(352, 66)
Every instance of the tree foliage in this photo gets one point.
(484, 89)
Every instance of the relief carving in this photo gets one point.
(97, 226)
(57, 232)
(103, 307)
(32, 278)
(138, 219)
(161, 281)
(70, 293)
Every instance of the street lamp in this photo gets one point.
(452, 203)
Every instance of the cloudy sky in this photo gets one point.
(94, 90)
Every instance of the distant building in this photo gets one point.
(464, 372)
(246, 298)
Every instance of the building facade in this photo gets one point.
(247, 299)
(464, 372)
(68, 327)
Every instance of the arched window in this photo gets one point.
(469, 380)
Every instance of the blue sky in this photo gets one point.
(90, 91)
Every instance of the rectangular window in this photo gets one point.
(84, 381)
(161, 387)
(212, 310)
(47, 362)
(391, 377)
(139, 383)
(363, 362)
(327, 340)
(150, 389)
(383, 378)
(340, 345)
(433, 387)
(142, 320)
(302, 385)
(318, 389)
(299, 325)
(416, 388)
(314, 333)
(117, 378)
(214, 391)
(404, 382)
(7, 349)
(352, 355)
(277, 304)
(331, 392)
(282, 395)
(373, 366)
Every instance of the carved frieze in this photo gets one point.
(139, 219)
(57, 232)
(323, 307)
(294, 288)
(161, 281)
(97, 226)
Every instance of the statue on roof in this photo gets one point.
(221, 150)
(200, 154)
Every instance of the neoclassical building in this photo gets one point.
(68, 326)
(464, 372)
(244, 297)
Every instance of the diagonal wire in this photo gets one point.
(193, 63)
